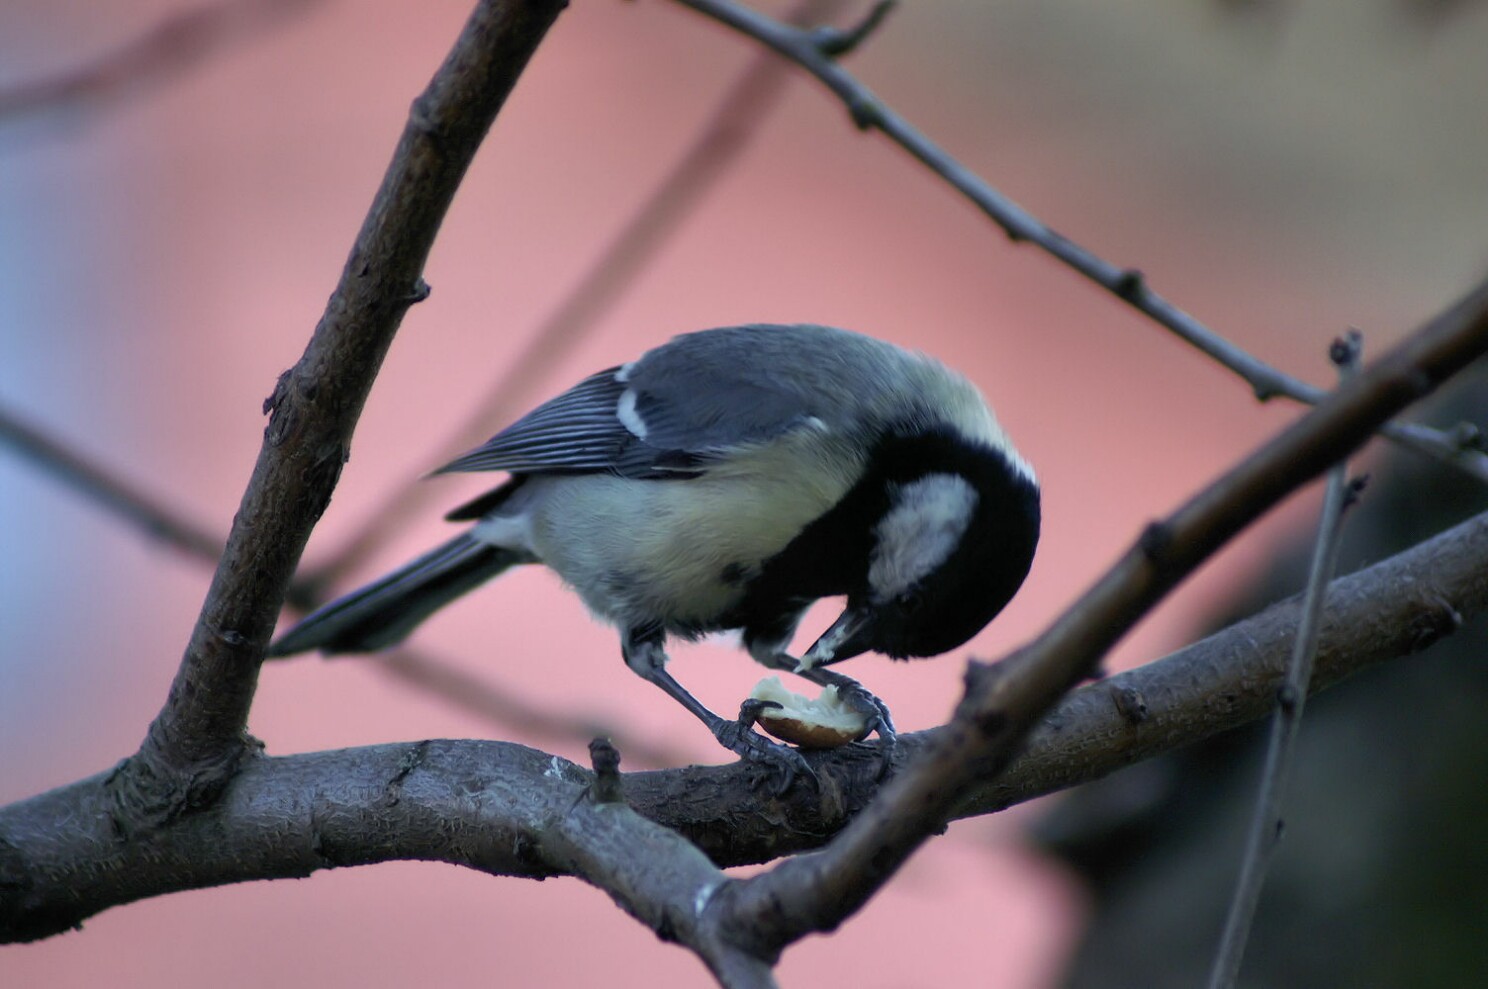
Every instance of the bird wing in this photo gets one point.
(578, 431)
(668, 414)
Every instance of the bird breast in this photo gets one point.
(681, 551)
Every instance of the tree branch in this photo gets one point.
(198, 739)
(508, 810)
(473, 803)
(1460, 447)
(1003, 702)
(651, 871)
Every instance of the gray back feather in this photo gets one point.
(704, 394)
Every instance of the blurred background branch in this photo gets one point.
(178, 43)
(107, 488)
(1462, 448)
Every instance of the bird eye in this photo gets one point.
(913, 601)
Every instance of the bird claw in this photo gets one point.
(740, 738)
(876, 714)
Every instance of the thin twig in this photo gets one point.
(1460, 448)
(181, 41)
(737, 120)
(1266, 823)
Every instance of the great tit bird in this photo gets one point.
(727, 480)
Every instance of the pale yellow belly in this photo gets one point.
(672, 550)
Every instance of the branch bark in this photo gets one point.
(491, 805)
(197, 741)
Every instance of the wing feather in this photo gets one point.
(576, 432)
(691, 401)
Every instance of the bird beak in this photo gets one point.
(847, 637)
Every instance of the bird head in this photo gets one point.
(952, 542)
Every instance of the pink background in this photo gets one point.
(163, 258)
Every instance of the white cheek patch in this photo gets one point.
(629, 417)
(925, 522)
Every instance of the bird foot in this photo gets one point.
(876, 713)
(740, 738)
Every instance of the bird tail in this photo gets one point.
(384, 612)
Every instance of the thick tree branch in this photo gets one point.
(1395, 608)
(474, 803)
(815, 53)
(816, 892)
(197, 740)
(651, 871)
